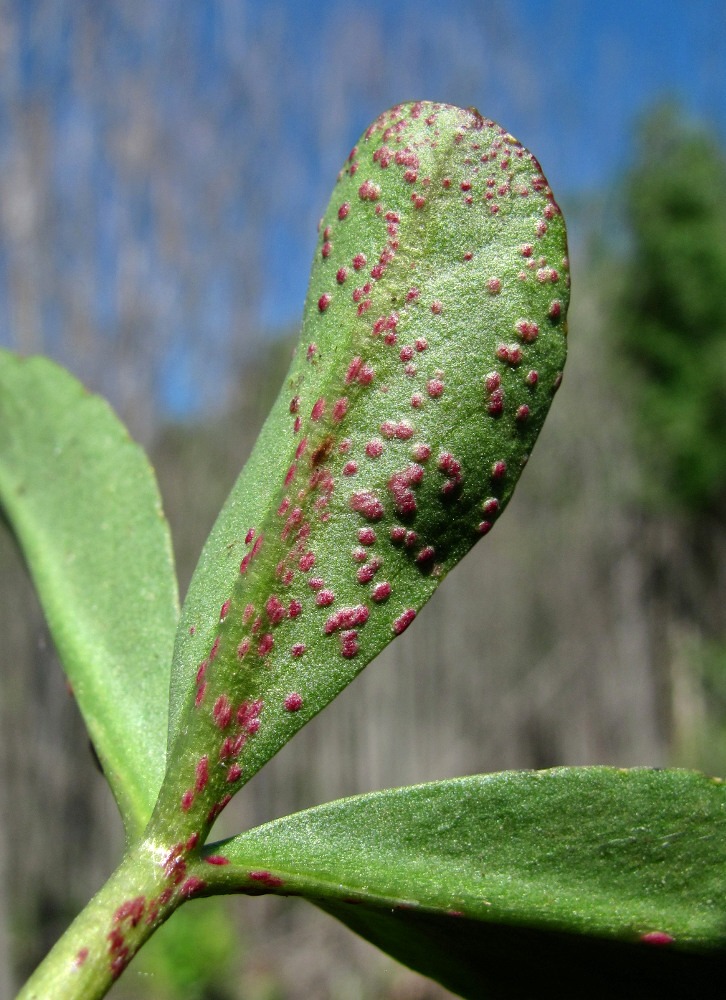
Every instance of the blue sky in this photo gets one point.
(568, 77)
(163, 166)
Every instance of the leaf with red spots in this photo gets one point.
(439, 259)
(82, 500)
(516, 884)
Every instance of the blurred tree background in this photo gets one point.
(162, 169)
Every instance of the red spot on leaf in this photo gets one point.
(306, 562)
(340, 408)
(202, 774)
(234, 773)
(657, 938)
(367, 505)
(222, 712)
(403, 621)
(528, 330)
(265, 644)
(349, 647)
(346, 618)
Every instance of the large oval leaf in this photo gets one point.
(433, 340)
(570, 882)
(83, 502)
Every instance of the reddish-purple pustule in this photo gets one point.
(657, 938)
(266, 878)
(403, 621)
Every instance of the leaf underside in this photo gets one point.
(83, 503)
(433, 341)
(505, 884)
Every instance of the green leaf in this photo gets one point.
(518, 883)
(433, 341)
(83, 502)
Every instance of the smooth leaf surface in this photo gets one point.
(485, 883)
(433, 341)
(83, 502)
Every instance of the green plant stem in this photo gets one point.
(139, 896)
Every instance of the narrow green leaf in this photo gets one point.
(433, 341)
(83, 502)
(512, 882)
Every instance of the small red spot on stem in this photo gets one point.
(266, 879)
(216, 859)
(132, 910)
(192, 885)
